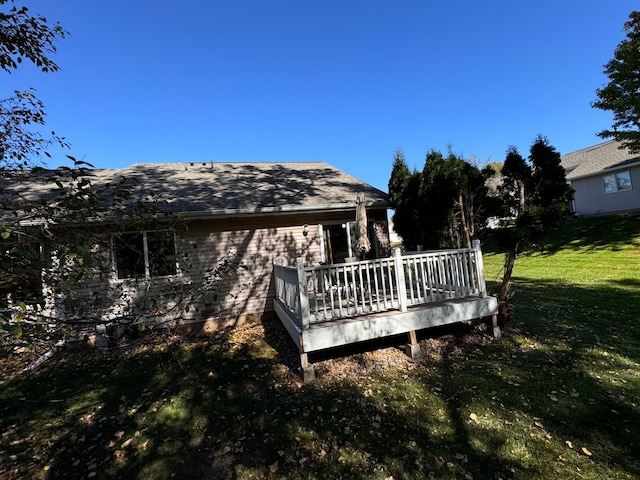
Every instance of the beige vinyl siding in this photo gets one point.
(251, 291)
(201, 245)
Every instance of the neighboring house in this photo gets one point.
(258, 212)
(606, 179)
(393, 235)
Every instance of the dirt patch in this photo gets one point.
(352, 361)
(378, 356)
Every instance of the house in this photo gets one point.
(214, 244)
(207, 212)
(606, 179)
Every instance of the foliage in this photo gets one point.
(19, 143)
(621, 95)
(53, 239)
(454, 191)
(58, 232)
(444, 205)
(556, 397)
(56, 226)
(537, 195)
(23, 35)
(404, 199)
(30, 36)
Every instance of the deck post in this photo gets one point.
(482, 285)
(302, 293)
(497, 333)
(308, 373)
(402, 286)
(413, 347)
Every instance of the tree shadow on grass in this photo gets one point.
(224, 407)
(211, 411)
(613, 232)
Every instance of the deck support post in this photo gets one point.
(413, 347)
(308, 373)
(497, 333)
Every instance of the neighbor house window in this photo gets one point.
(617, 182)
(144, 254)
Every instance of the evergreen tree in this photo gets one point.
(621, 95)
(404, 199)
(440, 206)
(537, 195)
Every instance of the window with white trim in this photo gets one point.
(144, 254)
(617, 182)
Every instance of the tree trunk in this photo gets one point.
(504, 311)
(463, 220)
(522, 199)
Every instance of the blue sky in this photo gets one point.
(345, 82)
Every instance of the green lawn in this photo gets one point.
(557, 397)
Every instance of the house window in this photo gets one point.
(144, 254)
(21, 263)
(617, 182)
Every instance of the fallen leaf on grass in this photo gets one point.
(474, 417)
(126, 443)
(574, 394)
(274, 467)
(561, 458)
(569, 444)
(586, 452)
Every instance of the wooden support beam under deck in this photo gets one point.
(413, 350)
(369, 327)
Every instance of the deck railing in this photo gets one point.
(328, 292)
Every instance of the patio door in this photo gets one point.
(338, 242)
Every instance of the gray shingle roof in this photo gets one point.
(593, 160)
(212, 188)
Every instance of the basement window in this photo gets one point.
(617, 182)
(145, 254)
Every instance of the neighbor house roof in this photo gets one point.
(216, 189)
(593, 160)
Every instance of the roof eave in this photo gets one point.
(604, 171)
(286, 209)
(235, 213)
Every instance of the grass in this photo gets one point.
(557, 397)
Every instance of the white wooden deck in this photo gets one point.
(334, 305)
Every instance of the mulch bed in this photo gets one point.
(377, 356)
(349, 362)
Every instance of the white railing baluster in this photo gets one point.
(315, 294)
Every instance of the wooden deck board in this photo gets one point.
(370, 326)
